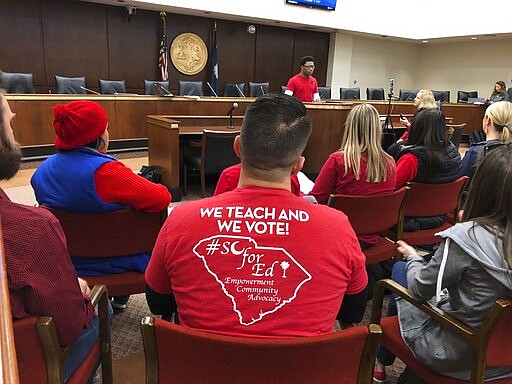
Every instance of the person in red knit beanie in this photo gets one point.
(82, 177)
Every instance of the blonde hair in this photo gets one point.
(500, 114)
(363, 134)
(427, 100)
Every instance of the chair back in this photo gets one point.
(371, 214)
(17, 82)
(407, 94)
(70, 85)
(458, 130)
(178, 355)
(109, 234)
(258, 89)
(234, 89)
(463, 96)
(509, 93)
(324, 92)
(374, 93)
(217, 151)
(154, 87)
(350, 93)
(434, 199)
(112, 87)
(191, 88)
(442, 96)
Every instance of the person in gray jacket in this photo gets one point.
(478, 271)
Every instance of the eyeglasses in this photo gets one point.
(309, 66)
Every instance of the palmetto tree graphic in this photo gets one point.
(284, 265)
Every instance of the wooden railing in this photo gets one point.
(7, 349)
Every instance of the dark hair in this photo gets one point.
(428, 129)
(503, 92)
(306, 58)
(489, 201)
(274, 133)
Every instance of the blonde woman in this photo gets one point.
(497, 126)
(360, 166)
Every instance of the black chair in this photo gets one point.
(350, 93)
(154, 87)
(407, 94)
(234, 89)
(258, 89)
(324, 92)
(462, 96)
(112, 87)
(70, 85)
(217, 153)
(509, 93)
(17, 82)
(374, 93)
(442, 96)
(191, 88)
(456, 136)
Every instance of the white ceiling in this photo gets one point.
(404, 19)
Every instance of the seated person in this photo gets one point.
(82, 177)
(499, 93)
(477, 271)
(497, 126)
(265, 262)
(360, 167)
(229, 178)
(428, 158)
(41, 278)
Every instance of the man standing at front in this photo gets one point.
(303, 85)
(258, 261)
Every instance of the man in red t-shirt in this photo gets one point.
(303, 85)
(258, 260)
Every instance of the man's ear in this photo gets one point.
(236, 145)
(298, 166)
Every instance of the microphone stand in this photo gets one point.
(230, 125)
(389, 121)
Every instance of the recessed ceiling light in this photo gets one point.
(424, 41)
(474, 38)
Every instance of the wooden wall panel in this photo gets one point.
(133, 45)
(70, 38)
(273, 56)
(22, 41)
(236, 53)
(75, 41)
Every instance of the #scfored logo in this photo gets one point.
(258, 279)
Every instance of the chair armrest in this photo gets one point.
(434, 312)
(97, 293)
(99, 297)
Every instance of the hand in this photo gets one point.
(84, 287)
(405, 249)
(404, 121)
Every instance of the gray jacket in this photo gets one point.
(476, 275)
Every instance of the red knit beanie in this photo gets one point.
(78, 123)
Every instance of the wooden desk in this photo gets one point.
(164, 134)
(127, 118)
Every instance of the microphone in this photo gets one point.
(239, 90)
(159, 88)
(391, 86)
(211, 89)
(262, 90)
(90, 90)
(233, 107)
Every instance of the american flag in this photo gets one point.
(162, 57)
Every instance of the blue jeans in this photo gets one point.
(83, 345)
(398, 274)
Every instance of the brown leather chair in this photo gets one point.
(180, 355)
(109, 234)
(490, 343)
(40, 356)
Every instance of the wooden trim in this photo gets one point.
(147, 327)
(7, 348)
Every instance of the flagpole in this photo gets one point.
(162, 55)
(214, 61)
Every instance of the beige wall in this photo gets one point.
(372, 62)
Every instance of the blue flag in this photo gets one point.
(214, 63)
